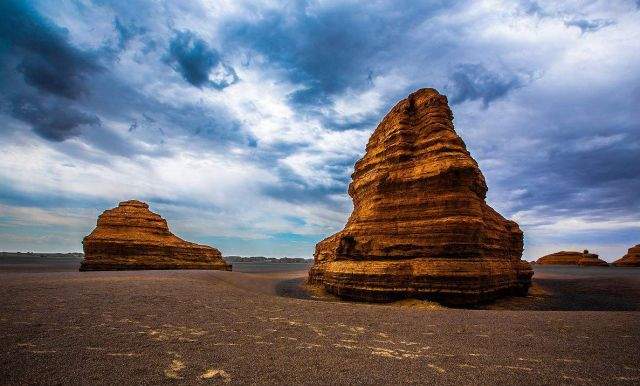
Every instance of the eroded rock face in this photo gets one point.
(132, 237)
(420, 226)
(631, 259)
(572, 258)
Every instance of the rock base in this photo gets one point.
(455, 282)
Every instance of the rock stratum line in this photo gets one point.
(420, 226)
(131, 237)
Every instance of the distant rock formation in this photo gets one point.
(572, 258)
(420, 226)
(132, 237)
(266, 260)
(631, 259)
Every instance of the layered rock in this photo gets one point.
(572, 258)
(132, 237)
(420, 226)
(631, 259)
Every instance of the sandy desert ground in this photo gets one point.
(578, 326)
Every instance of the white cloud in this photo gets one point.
(598, 142)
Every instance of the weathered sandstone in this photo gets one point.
(631, 259)
(572, 258)
(420, 226)
(132, 237)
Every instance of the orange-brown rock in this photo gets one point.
(572, 258)
(420, 226)
(132, 237)
(631, 259)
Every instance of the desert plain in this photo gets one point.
(261, 324)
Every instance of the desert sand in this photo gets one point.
(260, 326)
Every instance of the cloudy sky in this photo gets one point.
(240, 122)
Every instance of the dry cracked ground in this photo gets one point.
(201, 327)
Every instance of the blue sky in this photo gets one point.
(240, 122)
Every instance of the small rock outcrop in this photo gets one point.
(420, 226)
(631, 259)
(130, 237)
(573, 258)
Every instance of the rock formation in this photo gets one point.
(572, 258)
(631, 259)
(420, 226)
(132, 237)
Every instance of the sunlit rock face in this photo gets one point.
(420, 226)
(631, 259)
(572, 258)
(132, 237)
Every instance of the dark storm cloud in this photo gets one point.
(48, 61)
(471, 82)
(196, 61)
(601, 180)
(51, 120)
(578, 165)
(44, 74)
(586, 25)
(329, 49)
(62, 91)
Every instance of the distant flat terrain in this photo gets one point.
(190, 327)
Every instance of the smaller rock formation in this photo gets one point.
(631, 259)
(132, 237)
(572, 258)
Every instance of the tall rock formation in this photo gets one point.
(573, 258)
(631, 259)
(132, 237)
(420, 226)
